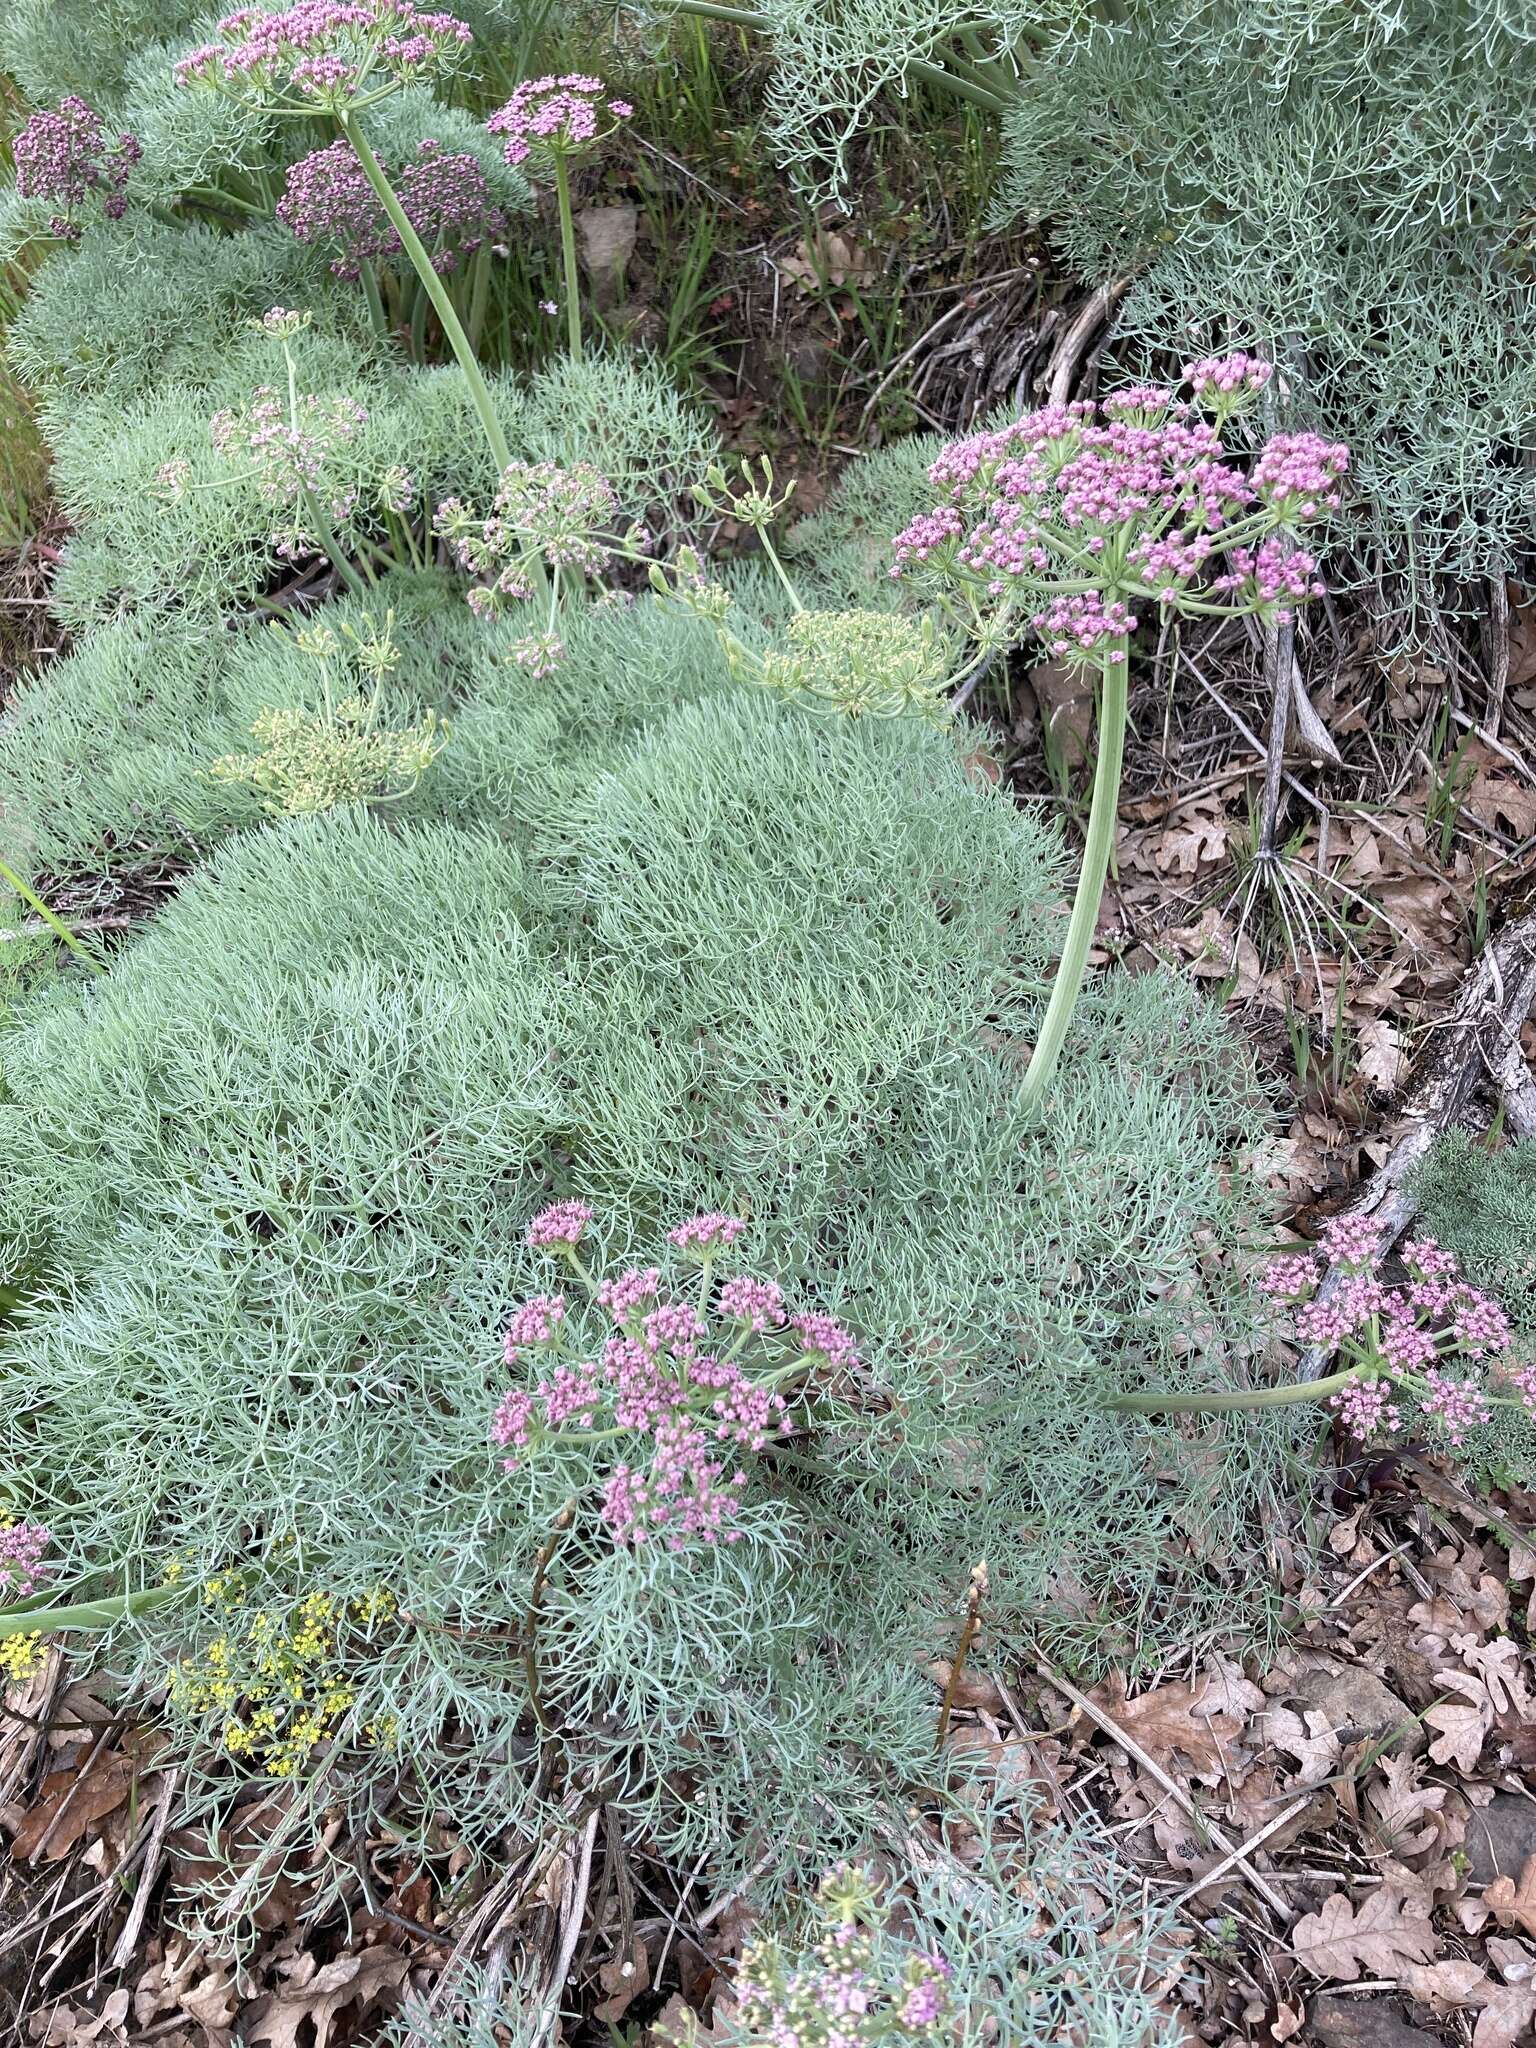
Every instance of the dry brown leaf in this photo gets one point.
(1311, 1740)
(1498, 1666)
(1384, 1935)
(317, 1995)
(828, 258)
(1502, 801)
(623, 1978)
(1504, 2011)
(1515, 1901)
(1399, 1807)
(1172, 1721)
(1462, 1723)
(72, 1802)
(1383, 1061)
(607, 243)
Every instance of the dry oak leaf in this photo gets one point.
(1172, 1719)
(1497, 1664)
(1384, 1936)
(364, 1978)
(1399, 1807)
(1504, 2011)
(1462, 1723)
(1312, 1740)
(72, 1801)
(1383, 1061)
(1515, 1902)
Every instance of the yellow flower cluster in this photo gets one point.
(20, 1656)
(275, 1680)
(310, 761)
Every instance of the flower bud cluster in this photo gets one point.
(688, 1384)
(443, 194)
(1077, 517)
(1400, 1339)
(542, 513)
(324, 55)
(64, 156)
(22, 1573)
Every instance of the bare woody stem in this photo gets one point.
(1090, 882)
(535, 1604)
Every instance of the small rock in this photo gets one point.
(1500, 1836)
(1359, 1705)
(1364, 2023)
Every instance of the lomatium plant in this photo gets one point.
(310, 761)
(1428, 1347)
(689, 1381)
(1078, 523)
(340, 57)
(275, 1682)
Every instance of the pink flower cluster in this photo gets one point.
(324, 53)
(65, 156)
(289, 444)
(442, 193)
(695, 1401)
(552, 117)
(1077, 514)
(1398, 1339)
(21, 1568)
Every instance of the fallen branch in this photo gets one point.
(1481, 1041)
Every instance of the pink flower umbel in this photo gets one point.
(21, 1551)
(688, 1390)
(1085, 520)
(550, 117)
(561, 1226)
(325, 55)
(64, 157)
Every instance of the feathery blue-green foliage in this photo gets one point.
(1481, 1205)
(279, 1164)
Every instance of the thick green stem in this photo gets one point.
(35, 902)
(1222, 1404)
(370, 284)
(568, 256)
(92, 1614)
(1090, 882)
(432, 285)
(331, 547)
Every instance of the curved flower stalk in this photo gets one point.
(1076, 523)
(340, 57)
(548, 123)
(1431, 1345)
(64, 156)
(687, 1383)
